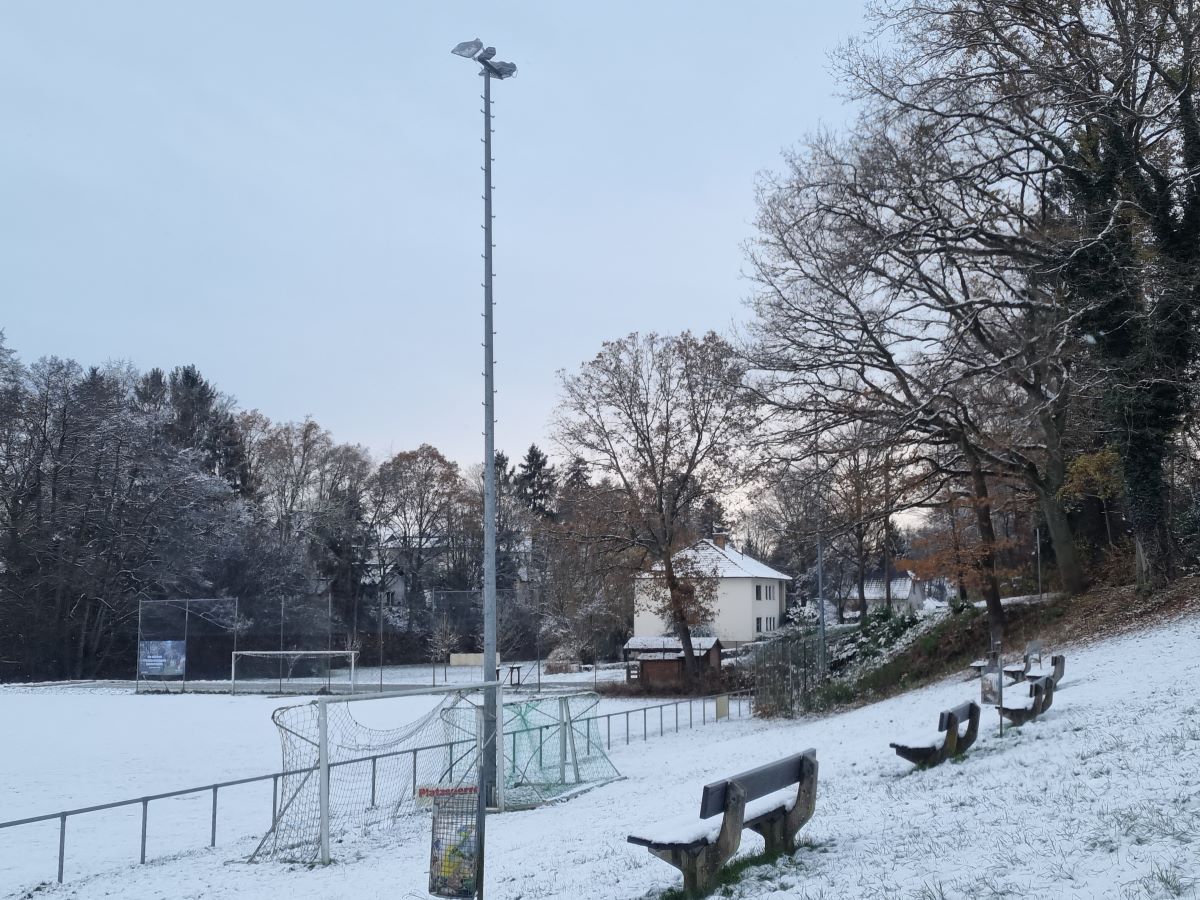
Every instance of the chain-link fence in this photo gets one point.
(788, 672)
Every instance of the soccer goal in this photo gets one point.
(376, 760)
(265, 669)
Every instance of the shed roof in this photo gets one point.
(667, 644)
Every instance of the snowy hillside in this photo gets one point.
(1100, 798)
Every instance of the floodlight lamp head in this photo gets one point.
(499, 69)
(485, 54)
(468, 49)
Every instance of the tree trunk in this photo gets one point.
(987, 539)
(679, 594)
(1145, 491)
(862, 577)
(1062, 538)
(887, 532)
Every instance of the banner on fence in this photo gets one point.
(162, 659)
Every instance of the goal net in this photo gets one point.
(280, 670)
(553, 747)
(379, 777)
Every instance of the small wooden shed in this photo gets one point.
(657, 662)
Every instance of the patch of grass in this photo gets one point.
(732, 873)
(935, 891)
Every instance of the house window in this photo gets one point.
(758, 625)
(770, 623)
(391, 597)
(758, 592)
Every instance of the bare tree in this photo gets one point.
(1078, 119)
(667, 421)
(419, 487)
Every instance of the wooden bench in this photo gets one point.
(749, 800)
(926, 755)
(1058, 667)
(1033, 655)
(1022, 708)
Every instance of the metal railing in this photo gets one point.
(741, 701)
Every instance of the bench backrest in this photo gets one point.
(1033, 650)
(756, 783)
(962, 713)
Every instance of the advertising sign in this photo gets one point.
(722, 706)
(452, 860)
(162, 659)
(991, 687)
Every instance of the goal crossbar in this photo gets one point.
(351, 655)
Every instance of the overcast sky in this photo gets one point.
(287, 194)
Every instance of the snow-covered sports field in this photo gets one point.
(1099, 798)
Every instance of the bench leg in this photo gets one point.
(701, 865)
(1060, 668)
(1047, 695)
(779, 832)
(949, 746)
(965, 742)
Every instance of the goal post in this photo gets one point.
(291, 657)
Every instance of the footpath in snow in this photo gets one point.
(1099, 798)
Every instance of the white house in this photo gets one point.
(750, 595)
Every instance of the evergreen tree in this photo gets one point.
(536, 482)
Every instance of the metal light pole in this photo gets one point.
(1038, 548)
(489, 69)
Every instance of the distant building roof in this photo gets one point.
(725, 562)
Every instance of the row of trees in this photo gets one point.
(118, 486)
(991, 278)
(976, 306)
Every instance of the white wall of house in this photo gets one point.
(741, 606)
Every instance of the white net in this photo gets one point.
(376, 774)
(380, 776)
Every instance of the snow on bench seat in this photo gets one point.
(919, 739)
(694, 831)
(1017, 698)
(683, 830)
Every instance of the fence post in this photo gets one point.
(62, 844)
(374, 760)
(145, 811)
(626, 726)
(213, 837)
(608, 729)
(323, 765)
(274, 800)
(414, 767)
(644, 727)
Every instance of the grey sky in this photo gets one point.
(287, 193)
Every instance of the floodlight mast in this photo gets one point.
(489, 68)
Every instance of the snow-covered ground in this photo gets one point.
(1099, 798)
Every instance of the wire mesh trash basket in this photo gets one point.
(455, 843)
